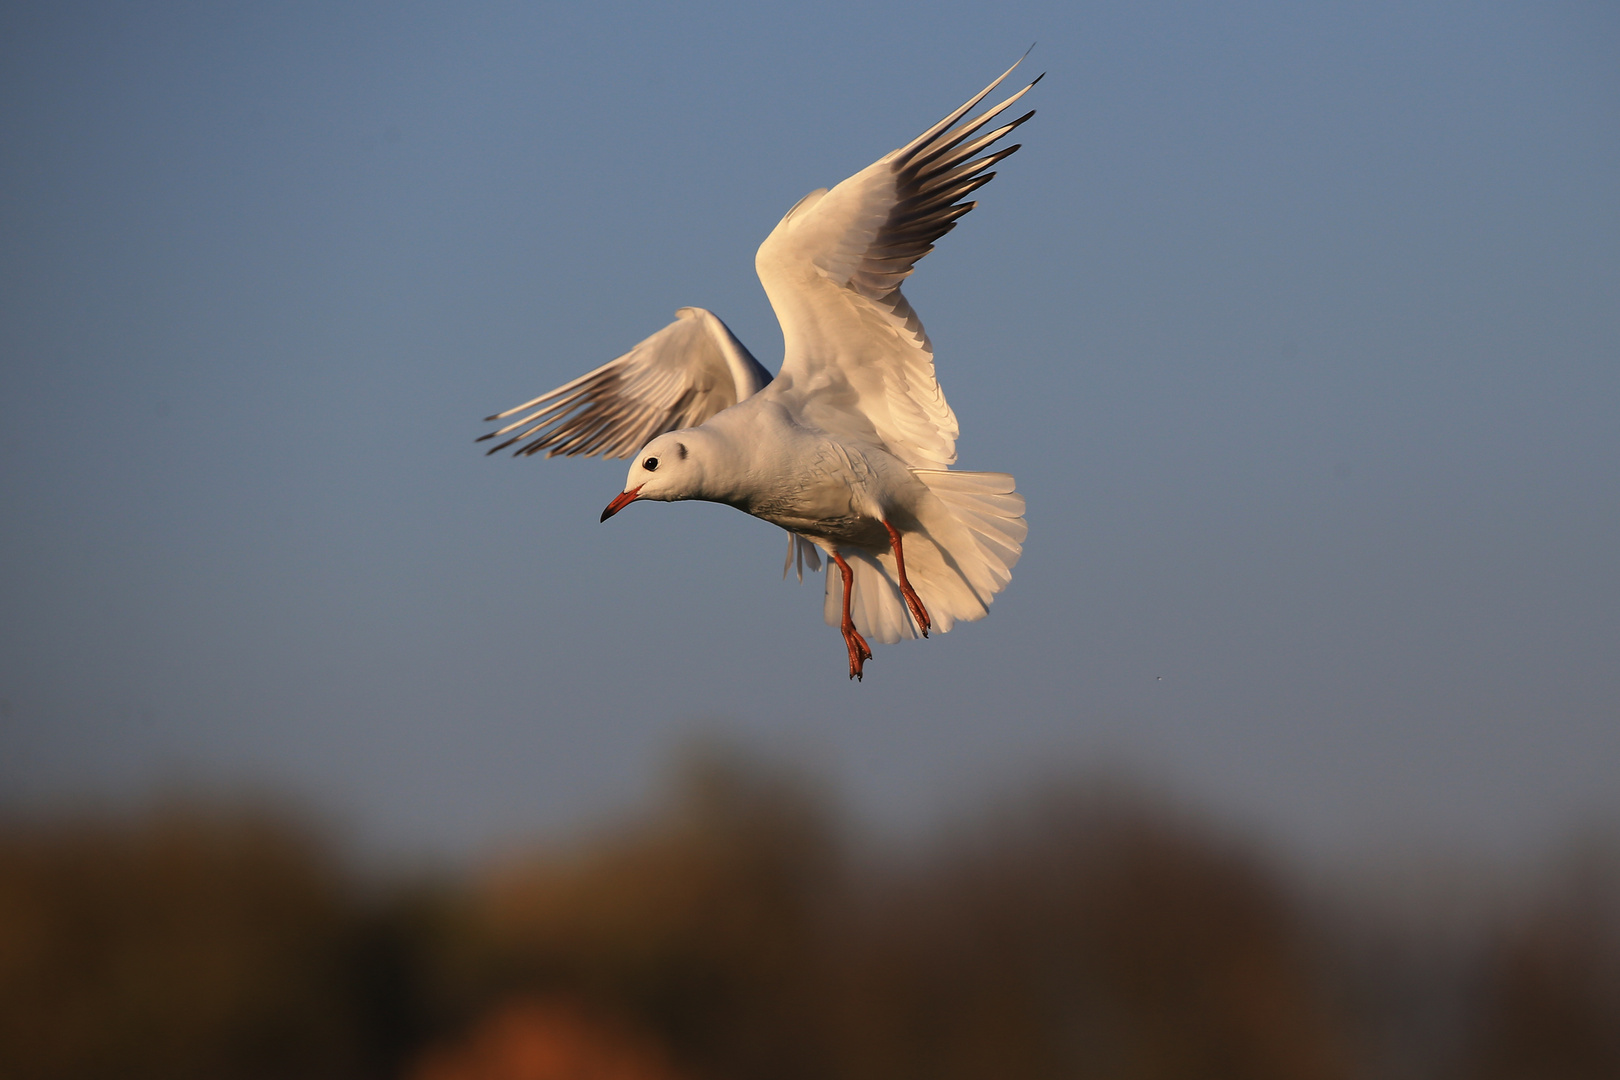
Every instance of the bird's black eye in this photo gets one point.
(650, 464)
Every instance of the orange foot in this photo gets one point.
(913, 601)
(859, 651)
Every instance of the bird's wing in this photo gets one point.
(857, 359)
(678, 378)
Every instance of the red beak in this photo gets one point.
(624, 499)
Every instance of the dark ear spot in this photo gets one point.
(680, 448)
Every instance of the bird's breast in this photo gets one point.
(826, 492)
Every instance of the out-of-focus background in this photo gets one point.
(736, 927)
(330, 747)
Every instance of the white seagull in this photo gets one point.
(849, 447)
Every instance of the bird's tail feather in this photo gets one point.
(960, 551)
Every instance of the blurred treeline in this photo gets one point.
(740, 932)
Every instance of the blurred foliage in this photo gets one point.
(1086, 939)
(1550, 991)
(739, 933)
(189, 945)
(546, 1040)
(708, 925)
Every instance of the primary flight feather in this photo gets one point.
(849, 447)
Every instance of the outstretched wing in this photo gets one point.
(678, 378)
(857, 359)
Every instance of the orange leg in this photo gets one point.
(859, 650)
(918, 612)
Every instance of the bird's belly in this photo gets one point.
(823, 489)
(823, 512)
(851, 529)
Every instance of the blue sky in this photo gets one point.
(1298, 324)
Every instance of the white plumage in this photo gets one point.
(849, 447)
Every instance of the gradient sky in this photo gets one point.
(1299, 325)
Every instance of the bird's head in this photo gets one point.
(667, 469)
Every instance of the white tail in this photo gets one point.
(960, 552)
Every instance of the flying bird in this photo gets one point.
(849, 447)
